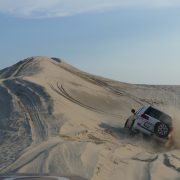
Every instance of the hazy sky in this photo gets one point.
(136, 41)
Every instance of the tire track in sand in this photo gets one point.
(59, 89)
(32, 104)
(14, 70)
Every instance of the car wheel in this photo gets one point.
(129, 122)
(161, 130)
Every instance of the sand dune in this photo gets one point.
(60, 121)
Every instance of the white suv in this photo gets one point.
(150, 121)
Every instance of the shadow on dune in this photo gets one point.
(118, 132)
(147, 142)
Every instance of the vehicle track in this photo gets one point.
(18, 70)
(116, 91)
(33, 111)
(11, 146)
(15, 69)
(31, 103)
(61, 91)
(92, 79)
(41, 92)
(98, 137)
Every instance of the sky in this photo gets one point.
(134, 41)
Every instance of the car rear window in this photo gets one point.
(158, 115)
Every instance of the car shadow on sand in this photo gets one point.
(125, 136)
(118, 132)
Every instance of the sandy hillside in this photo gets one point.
(58, 120)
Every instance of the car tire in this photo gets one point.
(125, 125)
(161, 130)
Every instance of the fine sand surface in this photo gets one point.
(60, 121)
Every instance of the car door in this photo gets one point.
(148, 119)
(143, 125)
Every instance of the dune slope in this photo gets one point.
(58, 120)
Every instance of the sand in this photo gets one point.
(60, 121)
